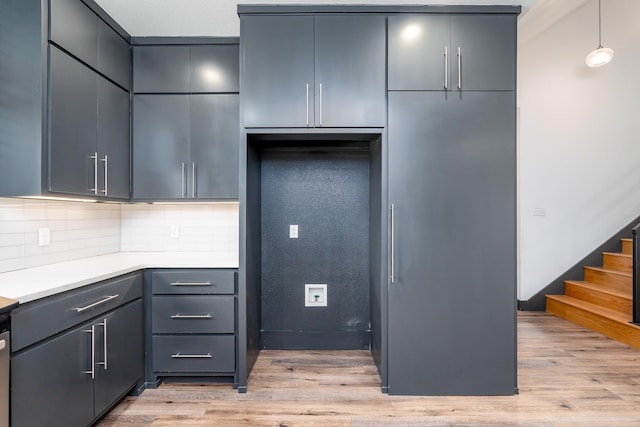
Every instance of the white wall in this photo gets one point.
(579, 141)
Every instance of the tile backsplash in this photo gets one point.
(180, 227)
(77, 230)
(80, 230)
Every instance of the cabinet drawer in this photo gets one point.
(190, 354)
(193, 314)
(41, 319)
(218, 281)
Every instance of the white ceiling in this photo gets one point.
(199, 18)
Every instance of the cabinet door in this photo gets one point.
(452, 300)
(161, 69)
(74, 27)
(114, 55)
(215, 146)
(160, 146)
(419, 52)
(350, 66)
(119, 354)
(49, 383)
(72, 125)
(215, 68)
(487, 51)
(277, 85)
(113, 140)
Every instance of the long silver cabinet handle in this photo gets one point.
(459, 68)
(307, 104)
(192, 316)
(106, 175)
(104, 343)
(95, 173)
(320, 118)
(191, 283)
(193, 179)
(446, 68)
(95, 304)
(183, 188)
(393, 243)
(191, 356)
(92, 371)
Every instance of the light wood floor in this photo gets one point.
(568, 376)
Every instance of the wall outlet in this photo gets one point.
(44, 236)
(175, 231)
(539, 212)
(293, 231)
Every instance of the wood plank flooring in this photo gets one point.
(567, 374)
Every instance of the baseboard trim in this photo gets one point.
(315, 340)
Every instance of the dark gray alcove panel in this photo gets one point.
(325, 193)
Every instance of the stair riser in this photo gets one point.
(627, 247)
(617, 262)
(615, 281)
(613, 302)
(626, 333)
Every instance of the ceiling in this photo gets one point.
(199, 18)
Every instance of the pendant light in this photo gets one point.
(601, 55)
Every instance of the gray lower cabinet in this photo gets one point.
(69, 376)
(185, 147)
(452, 193)
(192, 324)
(313, 71)
(452, 52)
(88, 131)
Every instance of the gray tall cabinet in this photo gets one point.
(443, 170)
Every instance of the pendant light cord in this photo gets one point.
(599, 24)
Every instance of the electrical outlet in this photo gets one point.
(44, 236)
(175, 231)
(293, 231)
(539, 212)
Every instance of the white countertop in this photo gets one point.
(39, 282)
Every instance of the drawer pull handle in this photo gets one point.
(191, 356)
(191, 316)
(191, 283)
(95, 304)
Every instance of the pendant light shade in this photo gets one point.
(601, 55)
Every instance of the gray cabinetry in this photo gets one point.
(192, 323)
(161, 69)
(114, 55)
(185, 146)
(451, 52)
(306, 71)
(75, 354)
(89, 131)
(452, 191)
(74, 27)
(160, 146)
(215, 68)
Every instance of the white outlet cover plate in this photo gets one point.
(44, 236)
(293, 231)
(313, 289)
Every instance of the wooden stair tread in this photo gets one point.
(618, 254)
(596, 287)
(609, 271)
(594, 308)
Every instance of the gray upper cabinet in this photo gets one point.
(487, 52)
(161, 146)
(215, 68)
(114, 148)
(306, 71)
(114, 55)
(72, 125)
(278, 82)
(185, 147)
(457, 52)
(74, 27)
(161, 69)
(88, 131)
(214, 147)
(419, 52)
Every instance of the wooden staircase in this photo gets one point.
(603, 301)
